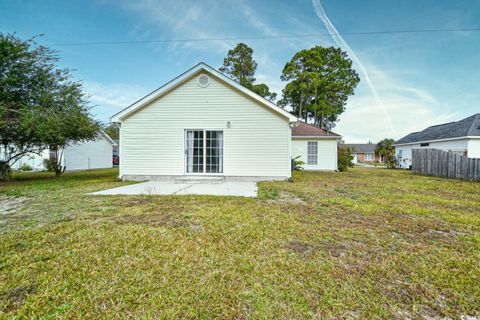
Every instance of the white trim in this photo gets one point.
(317, 137)
(204, 173)
(187, 75)
(437, 140)
(309, 154)
(107, 137)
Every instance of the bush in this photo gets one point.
(48, 165)
(297, 164)
(345, 159)
(26, 167)
(390, 160)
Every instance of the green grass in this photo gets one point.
(368, 243)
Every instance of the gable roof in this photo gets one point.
(463, 128)
(187, 75)
(360, 147)
(306, 130)
(107, 137)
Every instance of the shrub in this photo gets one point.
(297, 164)
(345, 159)
(390, 160)
(26, 167)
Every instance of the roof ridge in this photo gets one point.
(476, 117)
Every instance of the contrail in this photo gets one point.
(343, 44)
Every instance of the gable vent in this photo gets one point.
(203, 81)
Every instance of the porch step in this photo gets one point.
(199, 180)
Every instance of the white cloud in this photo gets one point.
(411, 109)
(108, 99)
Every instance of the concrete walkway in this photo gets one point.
(226, 188)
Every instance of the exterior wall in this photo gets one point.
(33, 160)
(362, 158)
(95, 154)
(459, 146)
(474, 148)
(88, 155)
(257, 144)
(327, 153)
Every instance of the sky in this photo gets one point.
(408, 80)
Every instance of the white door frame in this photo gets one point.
(185, 153)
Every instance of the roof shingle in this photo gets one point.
(307, 130)
(466, 127)
(360, 147)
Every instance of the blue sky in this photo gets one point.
(421, 79)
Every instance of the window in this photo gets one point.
(204, 151)
(312, 158)
(424, 144)
(369, 156)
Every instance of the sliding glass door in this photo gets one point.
(204, 151)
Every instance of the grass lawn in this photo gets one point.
(369, 243)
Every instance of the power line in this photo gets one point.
(263, 37)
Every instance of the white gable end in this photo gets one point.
(256, 137)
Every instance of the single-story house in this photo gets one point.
(363, 152)
(315, 146)
(461, 137)
(202, 123)
(94, 154)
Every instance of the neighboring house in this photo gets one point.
(315, 146)
(460, 137)
(204, 123)
(95, 154)
(363, 152)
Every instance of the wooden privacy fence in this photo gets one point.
(440, 163)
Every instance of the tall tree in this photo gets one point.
(320, 82)
(240, 65)
(32, 91)
(387, 150)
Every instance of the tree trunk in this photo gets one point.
(56, 155)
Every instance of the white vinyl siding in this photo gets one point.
(326, 153)
(96, 154)
(256, 143)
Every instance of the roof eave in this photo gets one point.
(317, 137)
(435, 140)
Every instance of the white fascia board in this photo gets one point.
(317, 137)
(107, 137)
(436, 140)
(186, 75)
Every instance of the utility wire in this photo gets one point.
(263, 37)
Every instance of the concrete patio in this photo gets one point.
(171, 187)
